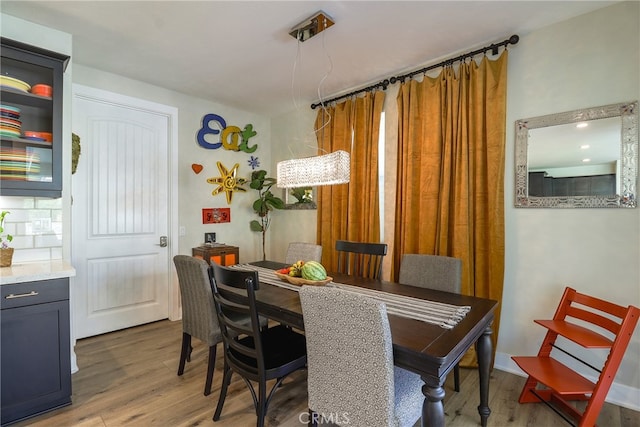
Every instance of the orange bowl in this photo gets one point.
(42, 90)
(47, 136)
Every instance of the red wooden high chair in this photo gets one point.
(563, 384)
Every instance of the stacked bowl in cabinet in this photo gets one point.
(15, 163)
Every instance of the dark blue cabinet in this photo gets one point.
(35, 352)
(30, 165)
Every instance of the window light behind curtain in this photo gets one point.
(350, 211)
(450, 186)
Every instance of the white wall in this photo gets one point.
(584, 62)
(194, 191)
(292, 137)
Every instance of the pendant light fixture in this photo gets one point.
(327, 169)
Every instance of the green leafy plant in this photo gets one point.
(264, 204)
(4, 238)
(302, 194)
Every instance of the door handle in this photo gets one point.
(163, 241)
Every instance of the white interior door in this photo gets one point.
(120, 212)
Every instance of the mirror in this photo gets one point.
(578, 159)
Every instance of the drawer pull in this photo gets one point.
(30, 294)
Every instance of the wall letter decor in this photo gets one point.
(229, 136)
(206, 130)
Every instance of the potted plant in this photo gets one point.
(264, 204)
(302, 195)
(6, 253)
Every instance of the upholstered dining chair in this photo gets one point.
(360, 259)
(441, 273)
(198, 312)
(256, 354)
(350, 361)
(303, 251)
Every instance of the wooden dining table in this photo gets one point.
(424, 348)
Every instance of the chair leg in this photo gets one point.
(210, 368)
(185, 353)
(223, 391)
(262, 403)
(456, 378)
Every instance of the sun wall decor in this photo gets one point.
(227, 182)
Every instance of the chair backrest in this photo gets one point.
(349, 356)
(617, 319)
(441, 273)
(601, 325)
(234, 298)
(360, 259)
(198, 313)
(303, 251)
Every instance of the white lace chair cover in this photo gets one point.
(351, 375)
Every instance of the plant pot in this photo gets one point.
(6, 256)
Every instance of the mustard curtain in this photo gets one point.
(350, 211)
(450, 187)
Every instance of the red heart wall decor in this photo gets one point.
(196, 168)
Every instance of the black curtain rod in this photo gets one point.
(395, 79)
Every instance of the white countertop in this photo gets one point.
(34, 271)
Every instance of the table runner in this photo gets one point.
(441, 314)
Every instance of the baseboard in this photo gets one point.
(619, 394)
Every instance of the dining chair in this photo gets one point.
(303, 251)
(441, 273)
(350, 362)
(360, 259)
(198, 312)
(256, 354)
(597, 326)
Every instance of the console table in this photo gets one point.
(219, 254)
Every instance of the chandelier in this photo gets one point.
(328, 169)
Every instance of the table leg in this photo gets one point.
(483, 351)
(432, 407)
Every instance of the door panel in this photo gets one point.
(120, 211)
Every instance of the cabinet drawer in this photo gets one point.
(29, 293)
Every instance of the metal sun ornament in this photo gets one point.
(227, 182)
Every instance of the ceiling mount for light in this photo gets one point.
(311, 26)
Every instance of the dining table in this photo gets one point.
(425, 348)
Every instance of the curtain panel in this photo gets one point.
(450, 186)
(350, 211)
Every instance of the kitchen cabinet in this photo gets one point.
(217, 253)
(35, 348)
(30, 165)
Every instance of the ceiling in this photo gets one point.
(240, 53)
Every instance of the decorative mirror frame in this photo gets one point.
(628, 113)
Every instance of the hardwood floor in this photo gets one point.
(128, 378)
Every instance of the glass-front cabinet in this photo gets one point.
(31, 81)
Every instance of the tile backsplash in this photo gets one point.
(36, 227)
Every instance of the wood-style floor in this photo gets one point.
(128, 378)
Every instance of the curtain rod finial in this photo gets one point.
(514, 39)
